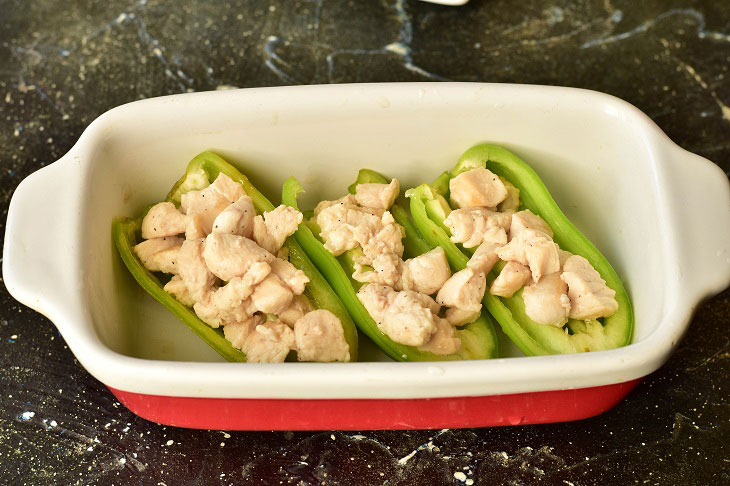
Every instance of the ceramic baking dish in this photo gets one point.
(660, 214)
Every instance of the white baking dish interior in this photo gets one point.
(636, 195)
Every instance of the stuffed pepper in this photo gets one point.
(359, 243)
(219, 255)
(547, 285)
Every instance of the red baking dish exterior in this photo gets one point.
(381, 414)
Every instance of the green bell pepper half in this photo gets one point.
(200, 172)
(478, 339)
(429, 208)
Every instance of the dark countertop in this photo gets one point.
(64, 63)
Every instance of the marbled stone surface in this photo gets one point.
(64, 63)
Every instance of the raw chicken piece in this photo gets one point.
(194, 272)
(269, 343)
(511, 279)
(299, 306)
(406, 317)
(159, 254)
(179, 290)
(484, 258)
(212, 200)
(338, 223)
(526, 219)
(473, 226)
(195, 227)
(377, 196)
(534, 249)
(227, 187)
(459, 317)
(563, 257)
(237, 332)
(590, 297)
(463, 290)
(294, 278)
(442, 341)
(319, 337)
(271, 229)
(386, 270)
(547, 302)
(230, 256)
(348, 200)
(381, 239)
(478, 187)
(163, 219)
(425, 273)
(231, 302)
(512, 201)
(376, 299)
(237, 218)
(272, 296)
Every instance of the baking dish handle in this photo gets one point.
(36, 248)
(701, 202)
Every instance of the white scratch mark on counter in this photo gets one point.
(702, 32)
(428, 445)
(724, 109)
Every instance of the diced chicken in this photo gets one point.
(443, 341)
(478, 187)
(212, 200)
(195, 227)
(237, 332)
(377, 196)
(484, 258)
(512, 201)
(473, 226)
(163, 219)
(227, 187)
(270, 342)
(160, 254)
(271, 229)
(179, 290)
(524, 220)
(231, 302)
(299, 306)
(547, 302)
(230, 256)
(534, 249)
(272, 295)
(294, 278)
(319, 337)
(386, 270)
(464, 290)
(339, 222)
(590, 297)
(193, 271)
(563, 257)
(459, 317)
(237, 218)
(406, 317)
(511, 279)
(425, 273)
(386, 237)
(348, 200)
